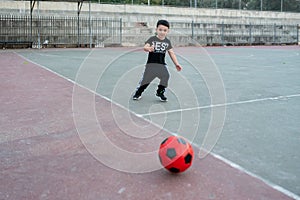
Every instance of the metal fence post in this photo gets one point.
(90, 28)
(298, 26)
(120, 31)
(250, 33)
(79, 5)
(78, 31)
(274, 34)
(192, 29)
(39, 25)
(31, 10)
(222, 34)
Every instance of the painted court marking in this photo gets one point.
(220, 105)
(228, 162)
(269, 183)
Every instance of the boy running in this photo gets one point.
(157, 46)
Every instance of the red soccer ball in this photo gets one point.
(176, 154)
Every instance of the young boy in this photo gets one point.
(157, 46)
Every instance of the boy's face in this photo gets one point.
(162, 31)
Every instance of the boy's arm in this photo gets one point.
(148, 48)
(174, 59)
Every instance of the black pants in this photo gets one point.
(153, 71)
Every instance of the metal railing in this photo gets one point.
(49, 31)
(60, 31)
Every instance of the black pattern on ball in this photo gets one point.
(174, 170)
(164, 141)
(188, 158)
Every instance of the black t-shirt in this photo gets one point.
(160, 48)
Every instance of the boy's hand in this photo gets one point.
(178, 67)
(148, 48)
(151, 49)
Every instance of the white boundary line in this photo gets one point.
(228, 162)
(220, 105)
(269, 183)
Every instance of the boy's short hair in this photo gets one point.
(163, 22)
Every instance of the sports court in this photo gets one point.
(69, 129)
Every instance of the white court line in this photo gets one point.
(228, 162)
(220, 105)
(269, 183)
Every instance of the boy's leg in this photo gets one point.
(160, 93)
(139, 91)
(148, 77)
(164, 76)
(164, 79)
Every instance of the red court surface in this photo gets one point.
(42, 156)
